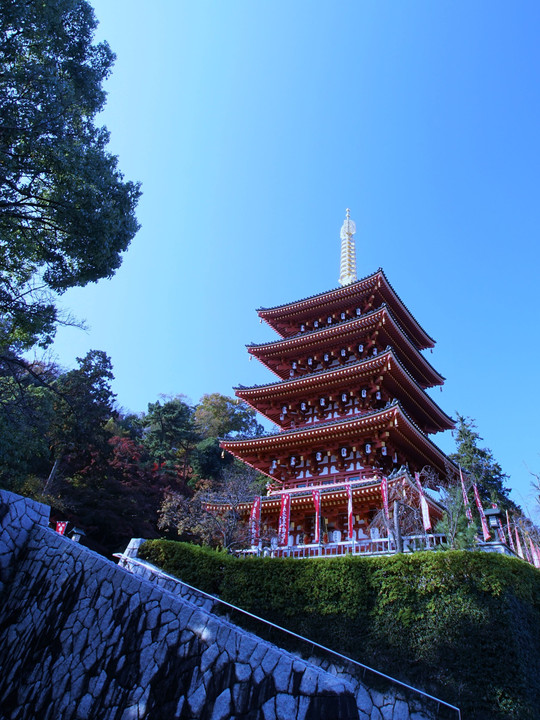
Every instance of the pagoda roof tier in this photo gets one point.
(365, 490)
(286, 319)
(279, 354)
(392, 421)
(267, 399)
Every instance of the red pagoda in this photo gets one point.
(354, 419)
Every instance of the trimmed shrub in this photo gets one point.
(462, 625)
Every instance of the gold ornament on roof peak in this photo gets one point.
(347, 274)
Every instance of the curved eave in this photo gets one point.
(317, 339)
(336, 378)
(393, 418)
(366, 491)
(302, 308)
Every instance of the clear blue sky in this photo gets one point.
(253, 125)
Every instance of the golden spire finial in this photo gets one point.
(347, 273)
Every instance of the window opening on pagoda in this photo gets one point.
(343, 316)
(360, 348)
(322, 402)
(302, 328)
(384, 450)
(303, 406)
(284, 409)
(358, 312)
(293, 461)
(368, 448)
(344, 452)
(310, 361)
(316, 324)
(326, 357)
(363, 393)
(318, 456)
(329, 320)
(343, 353)
(293, 365)
(344, 397)
(375, 351)
(378, 395)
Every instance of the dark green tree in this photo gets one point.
(83, 403)
(459, 532)
(480, 464)
(26, 413)
(169, 436)
(66, 214)
(209, 461)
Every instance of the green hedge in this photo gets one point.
(464, 626)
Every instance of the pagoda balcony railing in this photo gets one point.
(323, 482)
(365, 547)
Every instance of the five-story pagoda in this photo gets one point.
(352, 412)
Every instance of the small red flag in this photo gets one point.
(61, 527)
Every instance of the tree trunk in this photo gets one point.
(52, 474)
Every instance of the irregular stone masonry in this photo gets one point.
(385, 703)
(18, 516)
(81, 638)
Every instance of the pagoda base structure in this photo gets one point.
(331, 518)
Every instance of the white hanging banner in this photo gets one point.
(518, 546)
(384, 493)
(350, 512)
(284, 519)
(468, 512)
(317, 503)
(509, 531)
(423, 504)
(255, 521)
(485, 528)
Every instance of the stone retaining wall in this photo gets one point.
(82, 638)
(377, 697)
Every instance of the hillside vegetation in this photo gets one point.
(462, 625)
